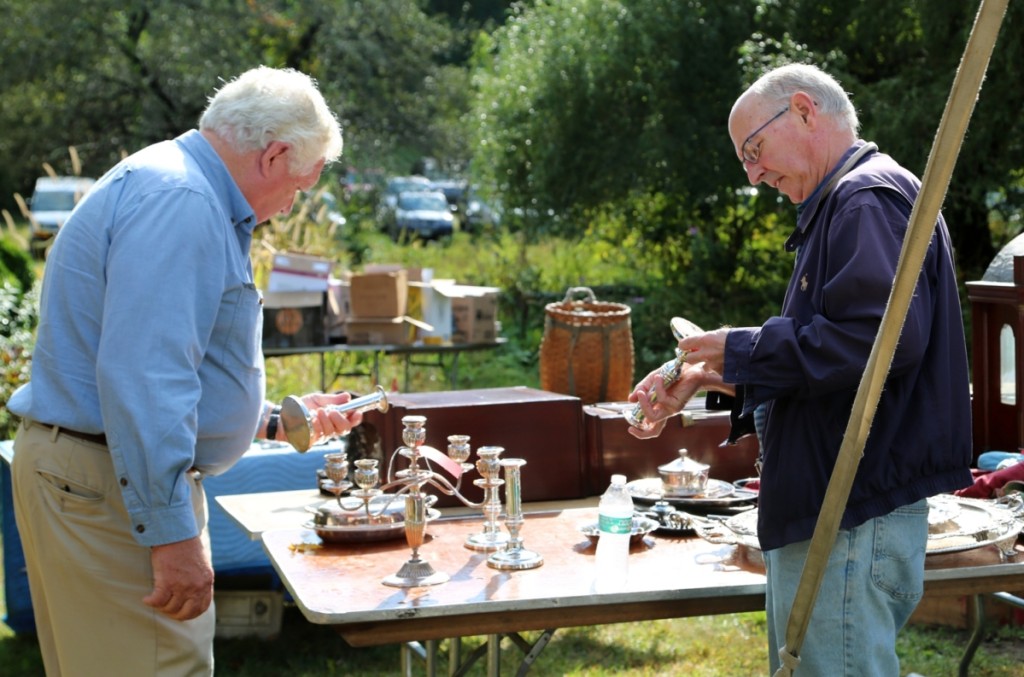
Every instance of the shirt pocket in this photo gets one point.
(236, 335)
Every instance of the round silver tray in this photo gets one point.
(717, 494)
(954, 524)
(641, 527)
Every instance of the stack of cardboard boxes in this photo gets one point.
(304, 305)
(397, 306)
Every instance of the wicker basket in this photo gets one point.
(587, 350)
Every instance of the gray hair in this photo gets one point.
(783, 82)
(269, 104)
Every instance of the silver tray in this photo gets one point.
(642, 525)
(954, 524)
(347, 521)
(717, 494)
(365, 533)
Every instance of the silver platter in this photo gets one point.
(366, 532)
(717, 494)
(348, 521)
(641, 527)
(954, 524)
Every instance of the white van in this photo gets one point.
(51, 205)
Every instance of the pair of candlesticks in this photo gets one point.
(507, 550)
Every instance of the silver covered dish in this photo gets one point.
(684, 476)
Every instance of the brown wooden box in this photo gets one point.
(544, 428)
(610, 449)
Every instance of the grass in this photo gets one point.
(707, 646)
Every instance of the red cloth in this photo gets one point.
(985, 485)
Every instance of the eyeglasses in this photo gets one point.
(751, 151)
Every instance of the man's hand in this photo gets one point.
(182, 579)
(670, 401)
(327, 422)
(708, 348)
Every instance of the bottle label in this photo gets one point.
(615, 525)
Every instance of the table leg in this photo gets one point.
(414, 650)
(454, 656)
(493, 655)
(453, 373)
(976, 612)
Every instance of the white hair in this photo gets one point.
(782, 83)
(269, 104)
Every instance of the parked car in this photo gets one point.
(422, 214)
(454, 191)
(479, 214)
(52, 202)
(401, 184)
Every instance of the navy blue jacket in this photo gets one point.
(806, 364)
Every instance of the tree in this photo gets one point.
(585, 103)
(110, 77)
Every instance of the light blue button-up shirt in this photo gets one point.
(151, 326)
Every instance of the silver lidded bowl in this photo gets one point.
(683, 476)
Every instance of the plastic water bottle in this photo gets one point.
(615, 523)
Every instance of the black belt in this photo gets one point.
(95, 438)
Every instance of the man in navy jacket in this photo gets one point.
(795, 377)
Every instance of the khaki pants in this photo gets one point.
(87, 575)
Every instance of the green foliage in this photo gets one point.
(19, 314)
(586, 103)
(113, 77)
(16, 264)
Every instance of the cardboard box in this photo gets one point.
(431, 302)
(474, 314)
(298, 272)
(379, 295)
(544, 428)
(610, 449)
(294, 319)
(394, 331)
(411, 274)
(249, 613)
(339, 309)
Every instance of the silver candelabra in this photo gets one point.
(411, 483)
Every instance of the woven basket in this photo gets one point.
(587, 350)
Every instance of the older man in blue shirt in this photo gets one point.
(148, 373)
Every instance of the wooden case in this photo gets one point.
(544, 428)
(610, 449)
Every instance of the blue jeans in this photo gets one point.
(873, 582)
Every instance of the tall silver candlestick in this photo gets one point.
(515, 556)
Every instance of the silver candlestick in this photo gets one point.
(515, 556)
(297, 421)
(492, 537)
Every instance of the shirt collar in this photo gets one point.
(806, 210)
(238, 208)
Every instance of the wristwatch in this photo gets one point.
(275, 417)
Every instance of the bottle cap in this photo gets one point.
(618, 479)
